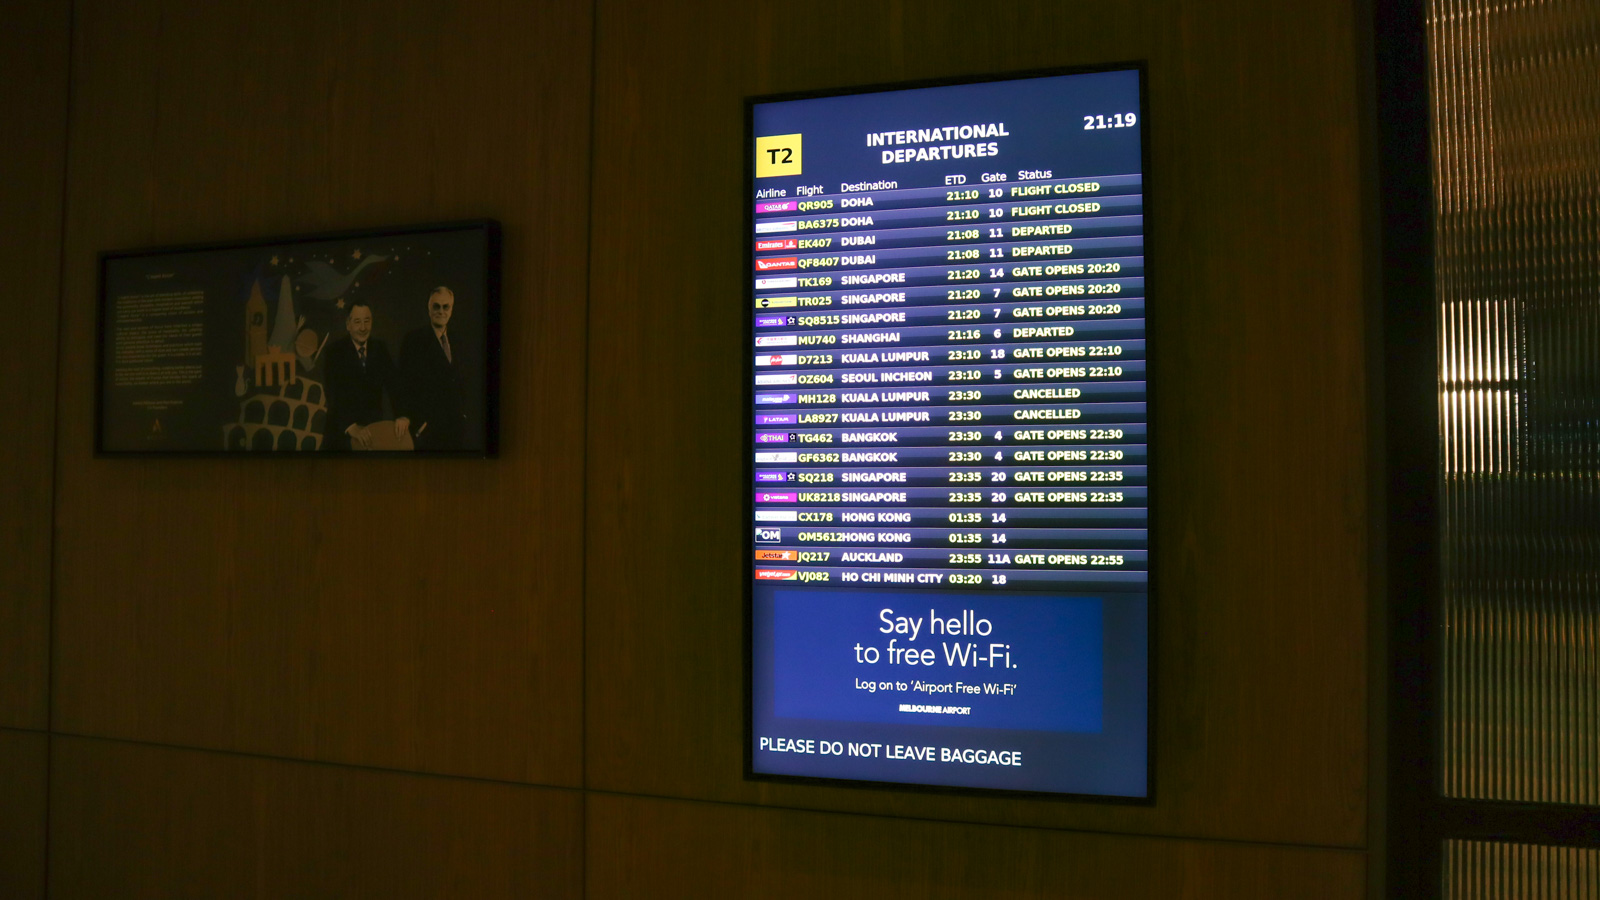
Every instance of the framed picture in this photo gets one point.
(380, 341)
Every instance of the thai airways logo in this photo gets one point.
(777, 154)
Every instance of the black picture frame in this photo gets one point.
(747, 394)
(228, 348)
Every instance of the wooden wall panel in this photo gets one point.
(1258, 294)
(33, 68)
(23, 768)
(648, 847)
(412, 614)
(133, 821)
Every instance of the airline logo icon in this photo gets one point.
(776, 575)
(778, 154)
(778, 359)
(777, 262)
(772, 206)
(777, 456)
(771, 321)
(774, 398)
(777, 227)
(777, 244)
(781, 378)
(768, 535)
(777, 515)
(772, 437)
(778, 419)
(781, 497)
(777, 284)
(776, 302)
(778, 555)
(778, 340)
(772, 476)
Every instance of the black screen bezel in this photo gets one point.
(747, 414)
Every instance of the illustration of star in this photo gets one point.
(356, 255)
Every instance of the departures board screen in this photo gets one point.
(948, 436)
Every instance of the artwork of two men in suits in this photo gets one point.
(425, 387)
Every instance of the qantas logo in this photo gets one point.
(777, 262)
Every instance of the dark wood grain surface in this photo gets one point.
(415, 614)
(677, 848)
(23, 768)
(138, 821)
(1257, 298)
(33, 69)
(571, 614)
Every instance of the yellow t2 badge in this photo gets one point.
(777, 155)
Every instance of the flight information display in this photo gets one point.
(948, 436)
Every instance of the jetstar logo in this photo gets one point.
(778, 555)
(777, 262)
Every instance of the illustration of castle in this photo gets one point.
(281, 409)
(285, 417)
